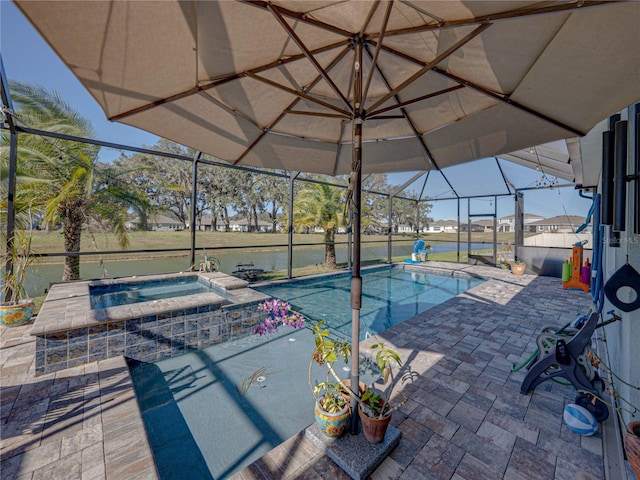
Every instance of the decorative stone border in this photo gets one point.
(69, 333)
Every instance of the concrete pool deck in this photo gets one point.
(465, 419)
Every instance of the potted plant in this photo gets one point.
(517, 267)
(375, 408)
(208, 264)
(333, 394)
(424, 253)
(16, 308)
(332, 412)
(632, 445)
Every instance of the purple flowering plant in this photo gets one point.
(278, 313)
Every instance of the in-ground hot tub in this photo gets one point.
(69, 332)
(148, 290)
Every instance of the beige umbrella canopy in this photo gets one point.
(340, 86)
(277, 84)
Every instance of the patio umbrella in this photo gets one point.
(345, 87)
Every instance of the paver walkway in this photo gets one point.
(465, 419)
(81, 423)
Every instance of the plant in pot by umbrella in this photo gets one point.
(16, 308)
(375, 407)
(332, 412)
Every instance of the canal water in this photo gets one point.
(40, 277)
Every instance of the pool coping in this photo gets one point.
(415, 267)
(69, 332)
(67, 305)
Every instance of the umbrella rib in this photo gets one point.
(374, 62)
(370, 14)
(301, 17)
(411, 125)
(298, 41)
(449, 51)
(508, 101)
(338, 150)
(500, 97)
(316, 114)
(338, 57)
(220, 81)
(298, 94)
(376, 113)
(511, 14)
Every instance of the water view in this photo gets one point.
(42, 275)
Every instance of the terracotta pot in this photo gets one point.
(518, 268)
(632, 446)
(374, 429)
(332, 425)
(19, 314)
(362, 387)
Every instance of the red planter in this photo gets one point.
(374, 429)
(632, 446)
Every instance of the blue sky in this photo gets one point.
(28, 58)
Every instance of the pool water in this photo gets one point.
(214, 411)
(104, 296)
(389, 296)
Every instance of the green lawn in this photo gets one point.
(52, 242)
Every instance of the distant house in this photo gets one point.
(478, 226)
(442, 226)
(558, 224)
(405, 229)
(475, 227)
(242, 225)
(204, 224)
(165, 222)
(487, 224)
(508, 223)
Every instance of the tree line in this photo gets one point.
(62, 183)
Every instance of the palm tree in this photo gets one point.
(319, 205)
(79, 190)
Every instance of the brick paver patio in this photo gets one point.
(465, 420)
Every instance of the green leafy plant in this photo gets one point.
(327, 351)
(208, 263)
(20, 254)
(375, 403)
(329, 396)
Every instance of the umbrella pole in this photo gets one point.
(356, 279)
(356, 197)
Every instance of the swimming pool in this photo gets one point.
(127, 293)
(390, 295)
(202, 408)
(214, 411)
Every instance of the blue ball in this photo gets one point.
(580, 420)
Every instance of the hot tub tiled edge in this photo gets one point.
(68, 333)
